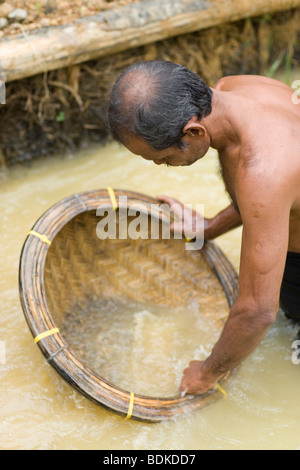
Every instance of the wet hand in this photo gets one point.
(195, 379)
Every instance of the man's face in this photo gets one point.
(195, 149)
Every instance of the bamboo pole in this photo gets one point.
(117, 30)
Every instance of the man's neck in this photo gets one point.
(219, 123)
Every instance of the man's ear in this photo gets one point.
(194, 128)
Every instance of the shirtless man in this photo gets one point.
(166, 113)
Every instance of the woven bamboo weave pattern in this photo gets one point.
(78, 270)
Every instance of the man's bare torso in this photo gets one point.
(267, 124)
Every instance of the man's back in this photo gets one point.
(267, 120)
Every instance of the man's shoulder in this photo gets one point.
(264, 177)
(232, 82)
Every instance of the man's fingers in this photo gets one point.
(175, 205)
(183, 393)
(193, 364)
(169, 200)
(176, 227)
(183, 385)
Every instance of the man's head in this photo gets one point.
(157, 106)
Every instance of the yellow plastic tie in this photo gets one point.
(45, 334)
(130, 407)
(218, 386)
(187, 239)
(41, 236)
(112, 198)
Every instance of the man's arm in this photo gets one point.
(265, 212)
(223, 222)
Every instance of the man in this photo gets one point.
(166, 113)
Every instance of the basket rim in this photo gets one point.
(54, 347)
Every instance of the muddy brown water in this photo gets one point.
(41, 411)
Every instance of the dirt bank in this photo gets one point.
(43, 13)
(64, 110)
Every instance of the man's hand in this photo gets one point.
(188, 220)
(195, 379)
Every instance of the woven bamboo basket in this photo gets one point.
(64, 262)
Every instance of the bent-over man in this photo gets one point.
(166, 113)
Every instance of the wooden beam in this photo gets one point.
(120, 29)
